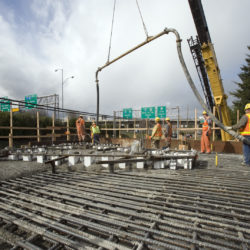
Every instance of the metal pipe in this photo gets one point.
(148, 40)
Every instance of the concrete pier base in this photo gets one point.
(40, 158)
(158, 164)
(73, 160)
(105, 158)
(57, 163)
(122, 165)
(140, 164)
(88, 160)
(27, 157)
(13, 157)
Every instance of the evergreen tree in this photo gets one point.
(242, 93)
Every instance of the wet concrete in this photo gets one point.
(15, 169)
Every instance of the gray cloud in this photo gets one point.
(74, 35)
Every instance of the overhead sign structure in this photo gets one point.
(127, 113)
(161, 112)
(148, 113)
(5, 104)
(30, 101)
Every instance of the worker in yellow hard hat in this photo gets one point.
(156, 134)
(244, 126)
(95, 132)
(168, 132)
(206, 133)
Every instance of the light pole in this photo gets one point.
(63, 81)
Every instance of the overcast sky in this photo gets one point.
(38, 36)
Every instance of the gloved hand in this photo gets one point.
(228, 127)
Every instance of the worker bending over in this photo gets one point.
(244, 126)
(168, 132)
(206, 133)
(156, 134)
(80, 127)
(95, 133)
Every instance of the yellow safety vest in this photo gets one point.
(95, 130)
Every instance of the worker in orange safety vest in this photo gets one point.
(244, 126)
(206, 133)
(80, 127)
(156, 134)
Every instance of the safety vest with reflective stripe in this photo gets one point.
(205, 125)
(157, 131)
(95, 130)
(246, 129)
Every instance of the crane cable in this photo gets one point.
(144, 26)
(112, 24)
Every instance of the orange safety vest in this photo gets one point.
(246, 129)
(80, 122)
(158, 129)
(205, 125)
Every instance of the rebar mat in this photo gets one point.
(199, 209)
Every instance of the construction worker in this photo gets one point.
(156, 134)
(168, 132)
(244, 126)
(95, 132)
(206, 133)
(80, 127)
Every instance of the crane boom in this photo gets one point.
(211, 65)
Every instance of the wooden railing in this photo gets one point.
(104, 127)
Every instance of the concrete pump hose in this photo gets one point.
(196, 93)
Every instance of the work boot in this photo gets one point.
(244, 164)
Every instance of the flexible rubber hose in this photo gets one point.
(197, 94)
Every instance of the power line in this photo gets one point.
(44, 107)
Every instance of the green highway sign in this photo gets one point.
(5, 104)
(30, 101)
(127, 113)
(161, 112)
(148, 113)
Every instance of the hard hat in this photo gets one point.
(157, 119)
(167, 119)
(204, 112)
(247, 106)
